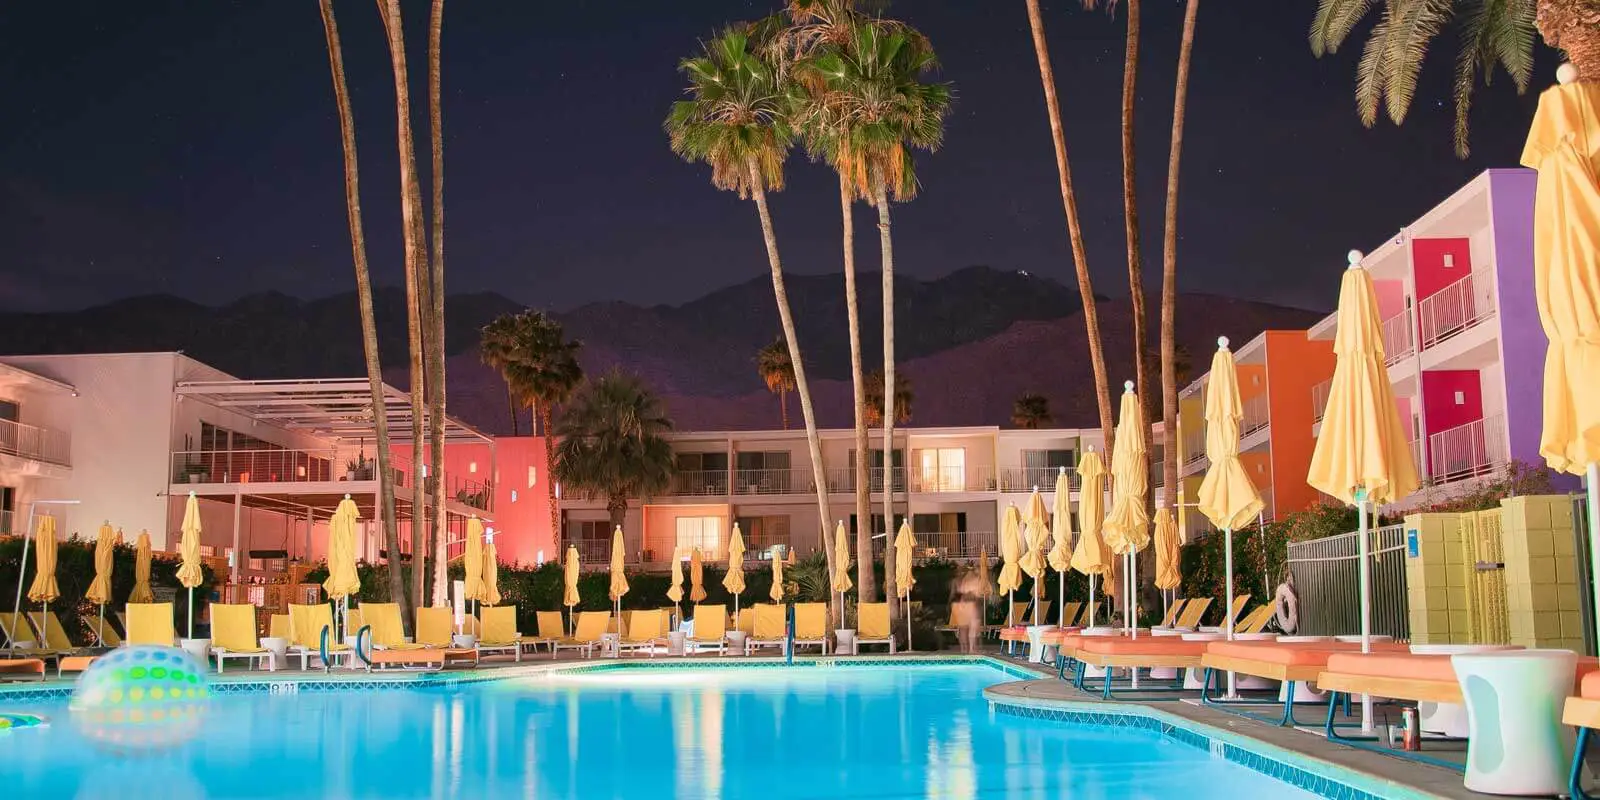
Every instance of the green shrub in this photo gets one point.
(74, 573)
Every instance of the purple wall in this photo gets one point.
(1522, 339)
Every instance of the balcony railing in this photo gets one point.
(1319, 400)
(1255, 415)
(843, 480)
(1399, 337)
(699, 483)
(34, 443)
(263, 466)
(951, 545)
(943, 479)
(773, 481)
(1023, 479)
(1456, 307)
(1194, 444)
(1465, 451)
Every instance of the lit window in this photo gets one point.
(300, 471)
(539, 559)
(473, 467)
(1449, 260)
(532, 477)
(513, 495)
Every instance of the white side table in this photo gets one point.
(608, 644)
(1193, 678)
(199, 648)
(1516, 743)
(1036, 647)
(1166, 673)
(277, 649)
(736, 643)
(675, 642)
(1449, 719)
(1090, 670)
(844, 641)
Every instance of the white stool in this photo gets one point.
(1449, 719)
(277, 649)
(1194, 678)
(1090, 670)
(1036, 647)
(1516, 743)
(1165, 673)
(675, 641)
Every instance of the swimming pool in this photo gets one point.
(805, 732)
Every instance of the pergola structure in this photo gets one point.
(305, 483)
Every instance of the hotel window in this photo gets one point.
(942, 469)
(763, 534)
(875, 470)
(702, 473)
(588, 530)
(765, 472)
(8, 505)
(1040, 467)
(702, 532)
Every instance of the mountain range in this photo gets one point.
(970, 341)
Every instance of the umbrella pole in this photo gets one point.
(909, 648)
(191, 612)
(1227, 608)
(1061, 599)
(1365, 576)
(100, 632)
(1592, 484)
(22, 570)
(1091, 600)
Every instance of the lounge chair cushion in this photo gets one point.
(21, 666)
(1294, 654)
(1405, 666)
(1150, 646)
(1590, 685)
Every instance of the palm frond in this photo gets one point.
(1333, 22)
(1413, 24)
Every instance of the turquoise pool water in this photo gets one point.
(805, 732)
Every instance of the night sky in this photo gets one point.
(170, 146)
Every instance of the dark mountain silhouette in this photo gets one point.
(971, 342)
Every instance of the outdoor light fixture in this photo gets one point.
(472, 467)
(513, 495)
(533, 476)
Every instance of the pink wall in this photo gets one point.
(1439, 388)
(521, 515)
(1428, 257)
(1391, 297)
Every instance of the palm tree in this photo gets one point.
(541, 370)
(497, 349)
(613, 443)
(417, 285)
(369, 325)
(736, 119)
(777, 371)
(814, 26)
(1069, 202)
(1032, 411)
(1169, 266)
(903, 398)
(1494, 33)
(436, 393)
(880, 109)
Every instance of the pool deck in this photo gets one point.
(1044, 691)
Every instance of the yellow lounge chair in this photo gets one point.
(55, 637)
(744, 621)
(1257, 620)
(1019, 614)
(811, 625)
(278, 627)
(586, 634)
(1239, 602)
(104, 632)
(1089, 609)
(552, 627)
(710, 630)
(151, 623)
(1172, 612)
(354, 621)
(497, 626)
(306, 626)
(15, 627)
(644, 632)
(436, 631)
(233, 635)
(1193, 611)
(1069, 613)
(770, 628)
(873, 626)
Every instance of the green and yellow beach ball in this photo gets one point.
(141, 698)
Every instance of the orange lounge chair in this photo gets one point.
(15, 669)
(1285, 662)
(1121, 652)
(1582, 711)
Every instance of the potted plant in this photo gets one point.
(193, 473)
(358, 469)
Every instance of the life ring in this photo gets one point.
(1288, 608)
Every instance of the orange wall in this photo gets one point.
(1295, 364)
(521, 515)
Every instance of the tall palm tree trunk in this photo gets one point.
(436, 388)
(1169, 263)
(890, 407)
(415, 254)
(369, 325)
(781, 295)
(1069, 202)
(866, 581)
(783, 407)
(511, 400)
(550, 476)
(1130, 213)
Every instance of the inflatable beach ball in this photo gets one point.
(141, 698)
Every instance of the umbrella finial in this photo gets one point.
(1222, 342)
(1354, 257)
(1127, 386)
(1064, 469)
(347, 495)
(191, 493)
(1036, 487)
(1566, 73)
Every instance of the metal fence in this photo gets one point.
(1326, 578)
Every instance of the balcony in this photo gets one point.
(842, 481)
(1194, 444)
(263, 466)
(1399, 338)
(950, 545)
(773, 481)
(944, 479)
(699, 483)
(33, 443)
(1023, 479)
(1319, 400)
(1457, 307)
(1467, 451)
(1255, 415)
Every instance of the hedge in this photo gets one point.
(74, 573)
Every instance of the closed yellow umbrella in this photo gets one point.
(1061, 541)
(1564, 146)
(343, 579)
(1168, 556)
(983, 573)
(141, 571)
(734, 580)
(491, 571)
(104, 551)
(1038, 529)
(905, 545)
(776, 593)
(1361, 455)
(1010, 553)
(569, 592)
(675, 586)
(189, 573)
(841, 582)
(472, 560)
(44, 587)
(1127, 528)
(697, 590)
(619, 578)
(1089, 554)
(1226, 496)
